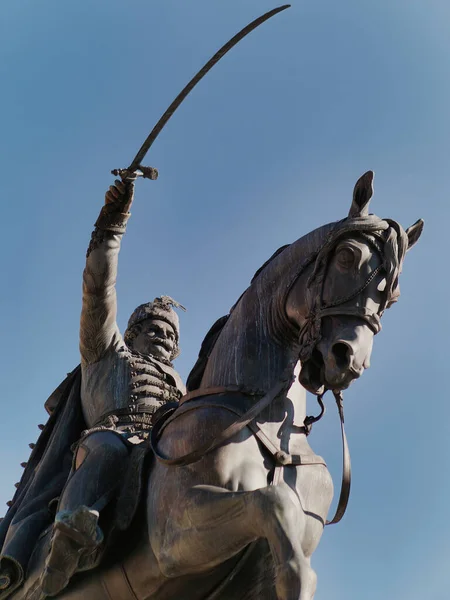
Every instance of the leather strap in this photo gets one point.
(211, 391)
(346, 466)
(372, 319)
(223, 436)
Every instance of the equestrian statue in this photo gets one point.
(140, 489)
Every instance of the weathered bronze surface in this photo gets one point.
(232, 501)
(242, 519)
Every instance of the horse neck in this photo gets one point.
(245, 353)
(290, 407)
(257, 344)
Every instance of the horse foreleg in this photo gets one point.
(211, 524)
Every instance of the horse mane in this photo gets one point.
(312, 242)
(195, 376)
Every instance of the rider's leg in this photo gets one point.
(215, 524)
(99, 464)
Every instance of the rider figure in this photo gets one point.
(124, 381)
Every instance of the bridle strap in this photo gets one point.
(372, 319)
(344, 299)
(346, 466)
(310, 331)
(211, 391)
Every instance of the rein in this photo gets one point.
(245, 420)
(223, 436)
(346, 465)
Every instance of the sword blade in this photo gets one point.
(193, 82)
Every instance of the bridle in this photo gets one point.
(310, 333)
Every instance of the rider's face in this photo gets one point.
(155, 338)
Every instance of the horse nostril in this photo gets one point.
(341, 353)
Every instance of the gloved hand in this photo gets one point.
(121, 195)
(116, 211)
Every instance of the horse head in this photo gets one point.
(352, 280)
(319, 299)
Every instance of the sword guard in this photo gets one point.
(140, 171)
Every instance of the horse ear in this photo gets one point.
(414, 232)
(361, 195)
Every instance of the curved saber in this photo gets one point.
(152, 173)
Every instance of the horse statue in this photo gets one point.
(236, 499)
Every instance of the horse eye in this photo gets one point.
(345, 258)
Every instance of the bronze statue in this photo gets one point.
(217, 496)
(237, 499)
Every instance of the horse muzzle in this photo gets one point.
(334, 366)
(346, 358)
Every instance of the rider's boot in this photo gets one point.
(76, 536)
(77, 539)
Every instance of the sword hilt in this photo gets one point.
(140, 171)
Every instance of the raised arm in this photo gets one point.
(98, 327)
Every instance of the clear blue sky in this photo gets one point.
(267, 148)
